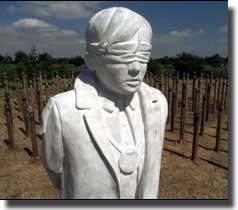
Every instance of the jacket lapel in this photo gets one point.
(93, 119)
(87, 99)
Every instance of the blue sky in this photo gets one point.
(59, 27)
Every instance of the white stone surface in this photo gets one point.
(104, 139)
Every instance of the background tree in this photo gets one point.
(1, 58)
(188, 63)
(215, 60)
(20, 56)
(153, 66)
(77, 61)
(7, 60)
(46, 64)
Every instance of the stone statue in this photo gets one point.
(104, 139)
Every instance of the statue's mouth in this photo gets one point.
(133, 82)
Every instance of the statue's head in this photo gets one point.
(118, 49)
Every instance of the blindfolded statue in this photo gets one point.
(104, 139)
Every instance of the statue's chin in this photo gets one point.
(123, 89)
(127, 90)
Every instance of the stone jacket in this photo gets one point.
(75, 149)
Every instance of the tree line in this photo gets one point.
(32, 63)
(189, 63)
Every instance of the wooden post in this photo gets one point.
(183, 108)
(34, 85)
(208, 101)
(214, 95)
(202, 82)
(9, 122)
(173, 82)
(5, 84)
(225, 99)
(204, 103)
(56, 86)
(52, 86)
(25, 88)
(46, 92)
(33, 133)
(31, 95)
(193, 90)
(161, 82)
(18, 95)
(50, 82)
(39, 95)
(196, 102)
(25, 115)
(187, 89)
(195, 136)
(58, 82)
(219, 127)
(176, 94)
(166, 86)
(222, 94)
(152, 80)
(72, 79)
(173, 111)
(169, 100)
(205, 84)
(64, 82)
(218, 91)
(200, 90)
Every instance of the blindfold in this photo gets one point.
(125, 52)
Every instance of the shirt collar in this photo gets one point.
(109, 105)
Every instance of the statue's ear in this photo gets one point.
(89, 62)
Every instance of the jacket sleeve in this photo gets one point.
(52, 147)
(164, 116)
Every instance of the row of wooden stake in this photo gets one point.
(32, 96)
(30, 100)
(170, 87)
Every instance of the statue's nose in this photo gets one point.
(134, 67)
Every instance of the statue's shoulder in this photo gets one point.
(158, 99)
(64, 98)
(156, 94)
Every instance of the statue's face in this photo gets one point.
(122, 73)
(121, 78)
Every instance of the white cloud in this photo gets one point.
(223, 29)
(31, 23)
(175, 42)
(58, 9)
(187, 33)
(28, 32)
